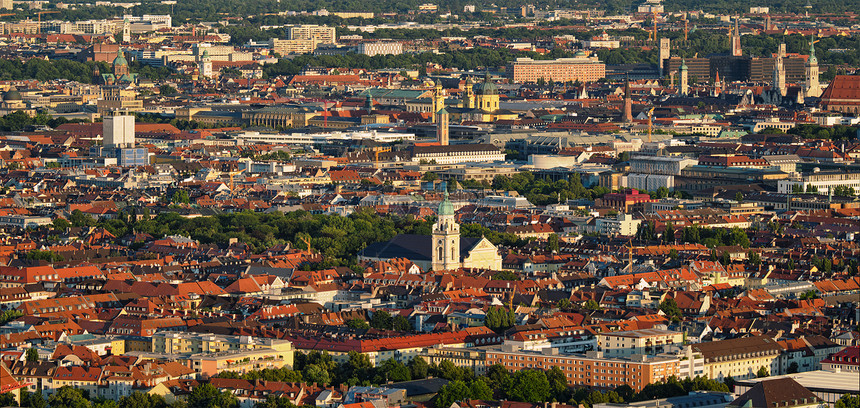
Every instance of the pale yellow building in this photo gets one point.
(645, 341)
(739, 358)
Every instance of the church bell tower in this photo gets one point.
(446, 238)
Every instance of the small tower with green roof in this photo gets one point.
(446, 238)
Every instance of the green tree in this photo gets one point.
(401, 323)
(762, 372)
(393, 370)
(450, 393)
(848, 401)
(8, 315)
(499, 319)
(316, 373)
(68, 397)
(33, 399)
(754, 258)
(505, 275)
(480, 389)
(793, 367)
(670, 308)
(418, 368)
(61, 224)
(167, 90)
(529, 386)
(357, 369)
(552, 243)
(7, 400)
(381, 320)
(140, 400)
(450, 372)
(180, 197)
(558, 385)
(592, 304)
(207, 396)
(357, 324)
(79, 219)
(32, 355)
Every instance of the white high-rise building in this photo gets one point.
(118, 131)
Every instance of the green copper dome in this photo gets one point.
(445, 207)
(488, 87)
(120, 59)
(12, 95)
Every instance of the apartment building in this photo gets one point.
(646, 341)
(660, 164)
(380, 48)
(197, 343)
(622, 224)
(823, 182)
(468, 153)
(740, 358)
(592, 369)
(580, 68)
(289, 46)
(320, 34)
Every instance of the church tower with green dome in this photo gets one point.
(120, 64)
(487, 96)
(446, 238)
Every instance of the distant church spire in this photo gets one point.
(627, 116)
(736, 40)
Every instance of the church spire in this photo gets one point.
(446, 237)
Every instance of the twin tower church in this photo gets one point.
(444, 250)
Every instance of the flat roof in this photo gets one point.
(641, 333)
(828, 381)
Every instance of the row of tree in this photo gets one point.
(710, 237)
(542, 191)
(19, 120)
(203, 396)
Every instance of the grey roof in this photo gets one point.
(420, 387)
(412, 247)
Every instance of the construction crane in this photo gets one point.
(686, 30)
(629, 247)
(377, 150)
(655, 27)
(234, 173)
(7, 14)
(650, 115)
(307, 242)
(39, 14)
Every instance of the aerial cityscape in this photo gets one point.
(429, 204)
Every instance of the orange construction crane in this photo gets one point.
(650, 114)
(234, 173)
(307, 242)
(655, 27)
(686, 30)
(7, 14)
(39, 14)
(377, 150)
(629, 247)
